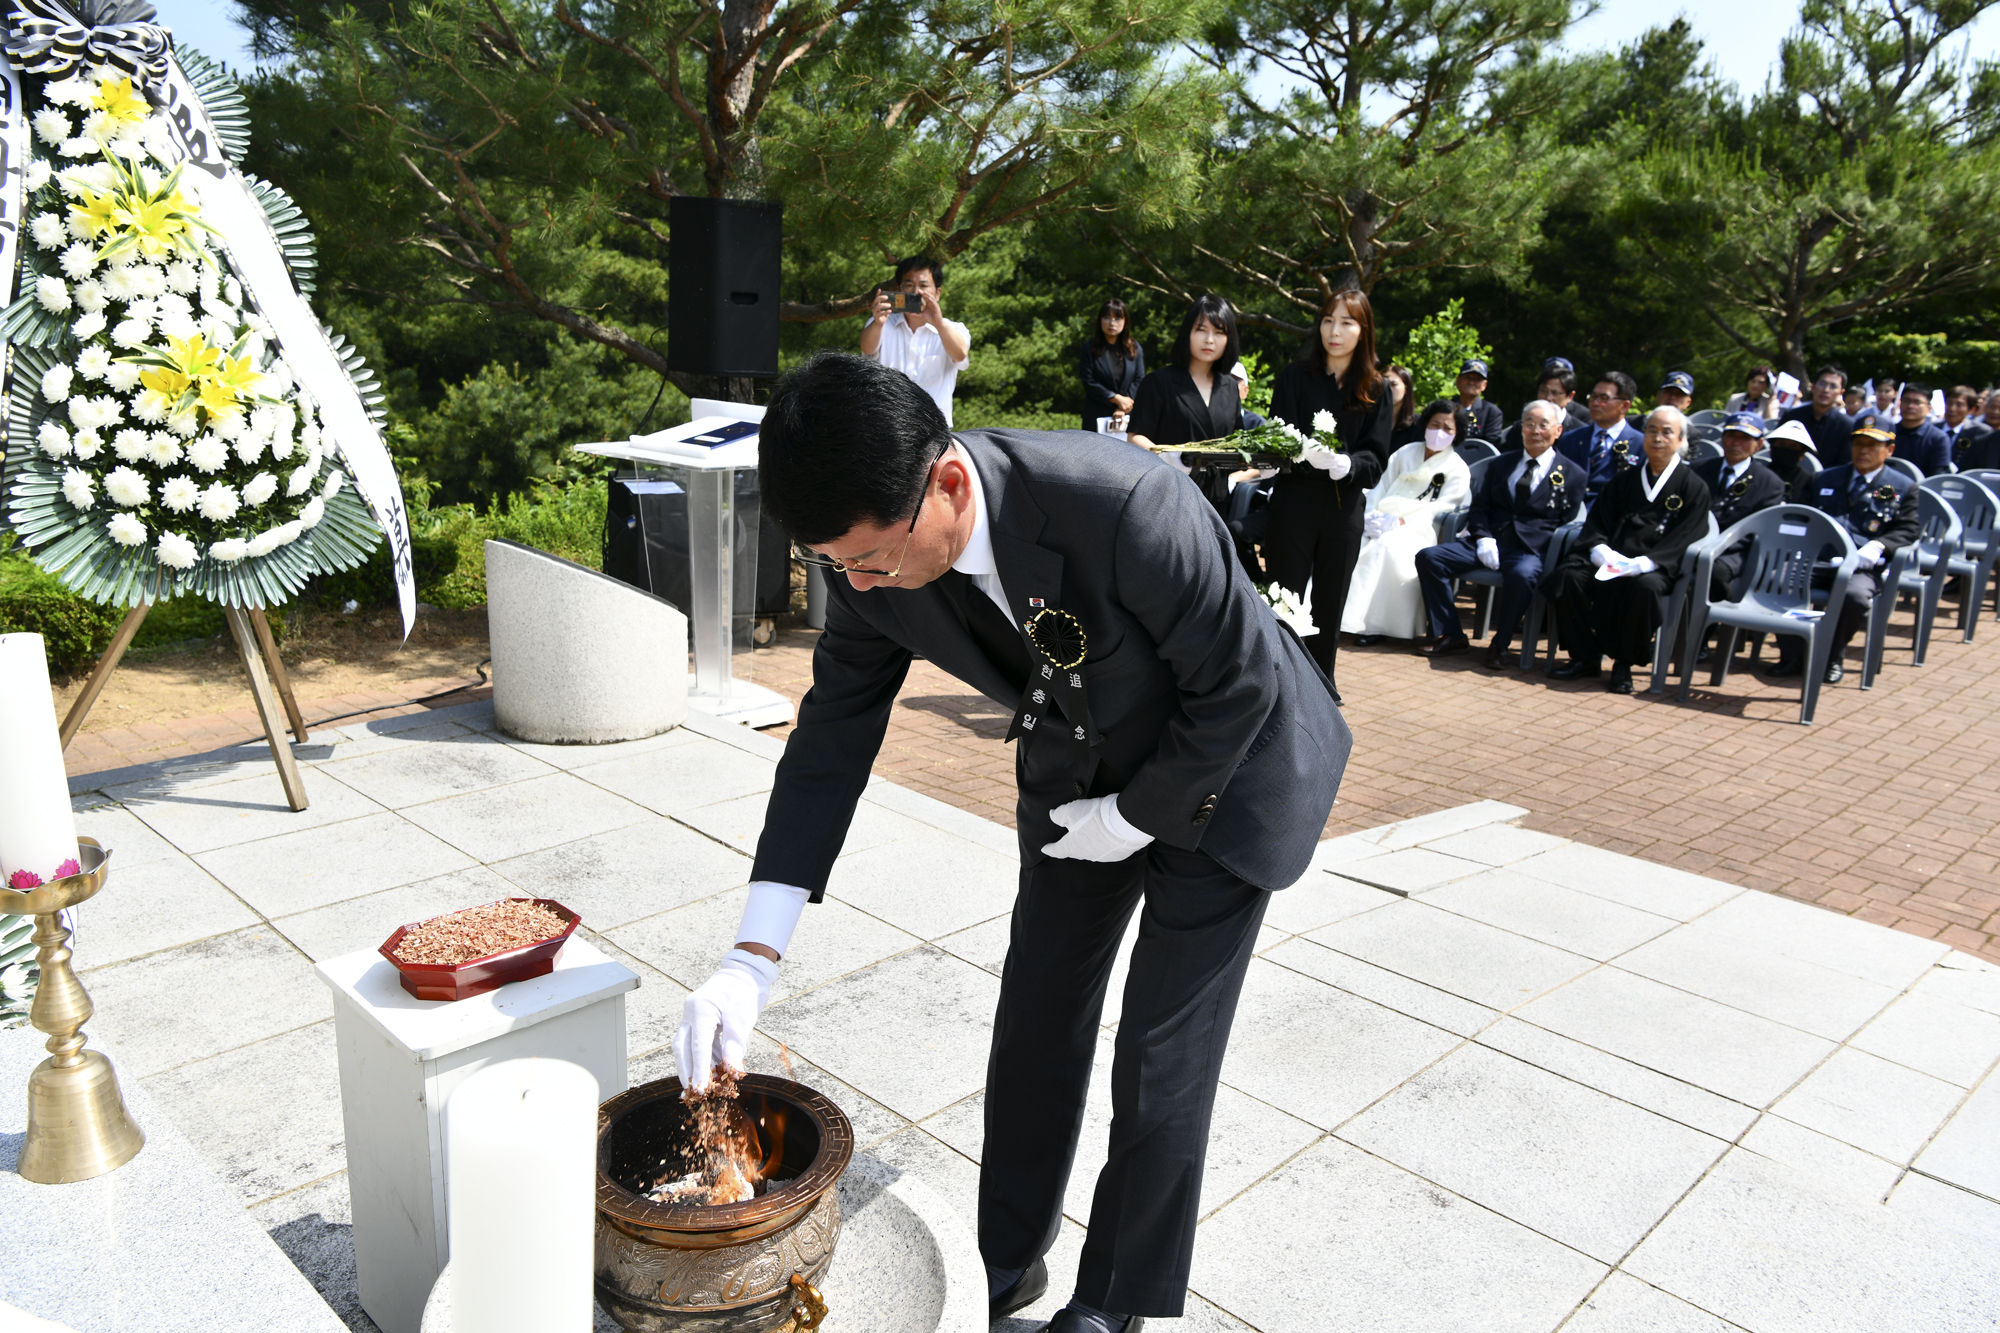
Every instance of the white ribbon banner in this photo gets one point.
(228, 205)
(13, 162)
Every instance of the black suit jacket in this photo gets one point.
(1103, 375)
(1168, 408)
(1553, 503)
(1979, 449)
(1758, 488)
(1662, 527)
(1486, 422)
(1885, 511)
(1198, 693)
(1830, 433)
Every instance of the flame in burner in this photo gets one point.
(727, 1161)
(774, 1142)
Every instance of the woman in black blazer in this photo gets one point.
(1316, 512)
(1193, 397)
(1112, 364)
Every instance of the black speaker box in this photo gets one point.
(723, 269)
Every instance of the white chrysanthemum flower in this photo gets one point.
(151, 406)
(176, 551)
(97, 126)
(1323, 421)
(132, 333)
(281, 447)
(211, 285)
(88, 444)
(80, 146)
(180, 494)
(182, 277)
(79, 261)
(72, 91)
(248, 447)
(151, 279)
(151, 179)
(208, 453)
(73, 181)
(302, 480)
(88, 325)
(53, 439)
(118, 284)
(78, 229)
(52, 293)
(129, 445)
(184, 424)
(259, 488)
(219, 502)
(56, 381)
(95, 413)
(52, 126)
(127, 488)
(129, 147)
(163, 450)
(232, 291)
(142, 308)
(48, 231)
(90, 295)
(314, 511)
(123, 376)
(93, 362)
(37, 175)
(230, 426)
(261, 326)
(79, 489)
(334, 480)
(264, 543)
(229, 550)
(126, 530)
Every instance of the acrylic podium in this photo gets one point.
(722, 539)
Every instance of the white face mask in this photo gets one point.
(1437, 439)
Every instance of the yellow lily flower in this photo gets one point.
(240, 376)
(156, 226)
(195, 357)
(218, 398)
(99, 212)
(116, 99)
(169, 384)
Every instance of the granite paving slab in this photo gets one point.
(1496, 844)
(1827, 939)
(525, 817)
(114, 826)
(1662, 1094)
(202, 818)
(1832, 1167)
(1963, 979)
(577, 756)
(1950, 1041)
(1320, 899)
(680, 778)
(1481, 963)
(1441, 824)
(1624, 1304)
(1966, 1152)
(959, 884)
(447, 766)
(1658, 889)
(1409, 870)
(1386, 988)
(832, 941)
(631, 873)
(1877, 1106)
(738, 824)
(1948, 1206)
(295, 872)
(155, 905)
(1569, 920)
(1750, 976)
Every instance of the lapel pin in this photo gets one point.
(1035, 601)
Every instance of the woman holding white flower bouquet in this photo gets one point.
(1317, 508)
(1425, 478)
(1193, 397)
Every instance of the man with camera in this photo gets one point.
(923, 344)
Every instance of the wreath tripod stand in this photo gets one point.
(271, 688)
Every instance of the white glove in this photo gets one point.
(1871, 553)
(1097, 832)
(716, 1020)
(1645, 564)
(1601, 553)
(1488, 551)
(1378, 523)
(1334, 464)
(1174, 456)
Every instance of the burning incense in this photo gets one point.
(727, 1162)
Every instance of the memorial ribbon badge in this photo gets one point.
(1054, 700)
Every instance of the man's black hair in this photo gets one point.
(1832, 368)
(1567, 378)
(1220, 314)
(905, 267)
(1917, 387)
(846, 440)
(1628, 388)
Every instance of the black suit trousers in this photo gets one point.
(1616, 617)
(1315, 533)
(1197, 927)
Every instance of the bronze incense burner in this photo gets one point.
(750, 1267)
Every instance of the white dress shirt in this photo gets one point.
(919, 353)
(976, 560)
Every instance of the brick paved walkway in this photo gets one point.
(1885, 808)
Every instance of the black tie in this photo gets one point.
(989, 626)
(1524, 491)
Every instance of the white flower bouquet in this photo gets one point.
(1273, 439)
(157, 442)
(1291, 610)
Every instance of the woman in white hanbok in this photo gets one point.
(1424, 478)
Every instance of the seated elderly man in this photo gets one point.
(1525, 497)
(1606, 591)
(1878, 507)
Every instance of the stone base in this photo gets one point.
(751, 705)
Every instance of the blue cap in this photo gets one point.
(1557, 365)
(1745, 423)
(1681, 380)
(1474, 366)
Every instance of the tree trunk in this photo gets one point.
(725, 388)
(1365, 257)
(743, 163)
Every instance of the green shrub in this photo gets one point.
(1436, 349)
(75, 631)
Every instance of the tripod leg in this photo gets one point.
(100, 675)
(267, 707)
(276, 663)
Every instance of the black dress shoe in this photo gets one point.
(1364, 640)
(1782, 669)
(1497, 654)
(1024, 1291)
(1573, 670)
(1457, 643)
(1069, 1319)
(1621, 682)
(1834, 671)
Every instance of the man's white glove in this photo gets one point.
(1378, 523)
(1872, 554)
(1644, 564)
(716, 1020)
(1488, 551)
(1601, 553)
(1329, 461)
(1097, 832)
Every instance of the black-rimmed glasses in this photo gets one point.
(811, 557)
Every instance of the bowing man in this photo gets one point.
(1606, 591)
(1608, 445)
(1179, 754)
(1524, 497)
(1878, 507)
(1738, 486)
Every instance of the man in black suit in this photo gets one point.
(1194, 778)
(1606, 590)
(1609, 445)
(1738, 486)
(1523, 499)
(1878, 507)
(1970, 440)
(1472, 379)
(1822, 417)
(1918, 438)
(1675, 391)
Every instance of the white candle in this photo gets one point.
(37, 829)
(521, 1197)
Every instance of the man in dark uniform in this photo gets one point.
(1608, 445)
(1486, 424)
(1738, 486)
(1675, 391)
(1822, 417)
(1970, 439)
(1194, 779)
(1878, 506)
(1557, 385)
(1523, 499)
(1918, 438)
(1606, 590)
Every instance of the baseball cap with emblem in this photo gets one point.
(1681, 381)
(1558, 365)
(1474, 366)
(1874, 434)
(1793, 432)
(1746, 423)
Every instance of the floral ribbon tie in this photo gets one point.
(48, 37)
(1055, 681)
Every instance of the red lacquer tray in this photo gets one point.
(476, 976)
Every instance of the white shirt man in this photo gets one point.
(923, 344)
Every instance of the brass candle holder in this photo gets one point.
(77, 1125)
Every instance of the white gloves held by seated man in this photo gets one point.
(1872, 553)
(1330, 461)
(1097, 832)
(1488, 551)
(1620, 566)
